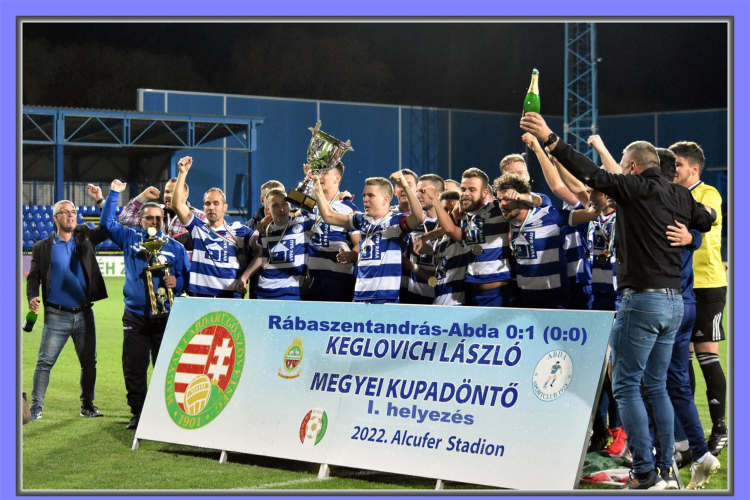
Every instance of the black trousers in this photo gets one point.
(142, 337)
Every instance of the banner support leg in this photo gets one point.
(223, 457)
(439, 485)
(680, 486)
(324, 472)
(136, 444)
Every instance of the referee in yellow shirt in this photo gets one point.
(710, 291)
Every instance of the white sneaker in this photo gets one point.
(701, 471)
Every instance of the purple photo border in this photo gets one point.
(10, 10)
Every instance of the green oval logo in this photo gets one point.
(205, 369)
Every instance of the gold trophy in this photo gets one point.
(155, 262)
(323, 153)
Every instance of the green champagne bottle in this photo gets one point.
(532, 102)
(28, 325)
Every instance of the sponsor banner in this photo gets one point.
(492, 396)
(111, 266)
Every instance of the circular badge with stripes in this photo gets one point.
(204, 370)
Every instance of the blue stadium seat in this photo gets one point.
(29, 216)
(34, 209)
(34, 234)
(26, 235)
(32, 225)
(25, 225)
(38, 217)
(46, 217)
(49, 226)
(26, 209)
(43, 234)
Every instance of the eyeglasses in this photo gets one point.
(67, 212)
(149, 218)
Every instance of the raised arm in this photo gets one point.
(328, 214)
(609, 163)
(180, 207)
(444, 218)
(550, 172)
(107, 221)
(575, 186)
(416, 213)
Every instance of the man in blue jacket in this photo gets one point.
(142, 332)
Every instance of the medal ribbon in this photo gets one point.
(229, 231)
(609, 221)
(318, 218)
(283, 233)
(511, 242)
(370, 231)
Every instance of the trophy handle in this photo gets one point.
(170, 293)
(151, 292)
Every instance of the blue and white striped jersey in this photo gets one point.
(216, 257)
(327, 240)
(378, 271)
(285, 251)
(451, 258)
(577, 250)
(488, 229)
(541, 268)
(600, 233)
(426, 260)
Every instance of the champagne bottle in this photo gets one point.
(531, 102)
(28, 325)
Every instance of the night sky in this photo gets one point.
(644, 67)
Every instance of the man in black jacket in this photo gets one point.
(648, 277)
(65, 266)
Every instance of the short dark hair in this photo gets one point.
(437, 182)
(511, 181)
(667, 163)
(691, 151)
(475, 172)
(406, 171)
(339, 167)
(174, 179)
(451, 194)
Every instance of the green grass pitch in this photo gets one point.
(63, 451)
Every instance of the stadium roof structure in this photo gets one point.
(125, 134)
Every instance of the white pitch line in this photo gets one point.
(307, 480)
(285, 483)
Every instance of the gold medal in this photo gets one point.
(514, 251)
(432, 281)
(309, 234)
(476, 249)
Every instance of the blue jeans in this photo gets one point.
(678, 386)
(642, 338)
(58, 326)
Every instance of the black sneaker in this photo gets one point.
(718, 440)
(651, 481)
(133, 424)
(90, 411)
(670, 479)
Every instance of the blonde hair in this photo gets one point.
(385, 185)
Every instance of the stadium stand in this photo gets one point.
(38, 224)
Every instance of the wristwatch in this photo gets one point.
(550, 140)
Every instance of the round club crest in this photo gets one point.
(552, 375)
(313, 427)
(204, 370)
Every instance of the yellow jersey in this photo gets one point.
(707, 264)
